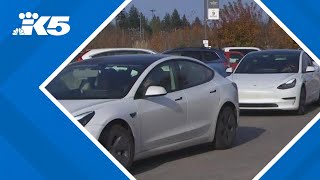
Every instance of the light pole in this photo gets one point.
(205, 29)
(211, 13)
(153, 11)
(205, 19)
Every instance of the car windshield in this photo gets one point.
(112, 81)
(267, 63)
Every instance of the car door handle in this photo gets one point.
(178, 99)
(214, 91)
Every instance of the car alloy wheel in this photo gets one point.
(226, 129)
(119, 142)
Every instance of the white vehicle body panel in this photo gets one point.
(228, 49)
(164, 123)
(257, 90)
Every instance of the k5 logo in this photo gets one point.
(57, 26)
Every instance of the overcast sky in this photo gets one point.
(192, 8)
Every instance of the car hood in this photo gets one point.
(74, 106)
(261, 81)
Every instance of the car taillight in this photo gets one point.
(226, 64)
(81, 55)
(79, 59)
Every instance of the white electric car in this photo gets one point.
(277, 79)
(142, 105)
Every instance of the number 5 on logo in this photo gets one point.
(58, 21)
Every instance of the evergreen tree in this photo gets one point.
(155, 24)
(197, 22)
(121, 20)
(166, 23)
(134, 18)
(185, 22)
(175, 19)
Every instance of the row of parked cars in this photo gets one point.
(217, 59)
(144, 104)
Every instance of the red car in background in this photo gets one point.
(234, 58)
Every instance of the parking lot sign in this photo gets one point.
(212, 9)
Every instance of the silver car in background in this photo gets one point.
(95, 53)
(277, 79)
(142, 105)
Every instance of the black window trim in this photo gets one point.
(176, 70)
(210, 51)
(198, 84)
(306, 59)
(175, 77)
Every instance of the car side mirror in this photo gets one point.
(155, 91)
(310, 69)
(229, 70)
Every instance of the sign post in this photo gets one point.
(211, 12)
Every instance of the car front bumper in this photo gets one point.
(277, 99)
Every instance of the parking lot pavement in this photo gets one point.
(260, 137)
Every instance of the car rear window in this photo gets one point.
(210, 56)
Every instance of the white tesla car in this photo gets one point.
(141, 105)
(277, 79)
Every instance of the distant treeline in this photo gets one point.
(240, 24)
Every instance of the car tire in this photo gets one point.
(318, 101)
(226, 128)
(302, 102)
(119, 142)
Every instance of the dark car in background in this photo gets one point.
(213, 57)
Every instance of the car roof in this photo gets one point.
(120, 49)
(193, 49)
(140, 59)
(281, 51)
(229, 48)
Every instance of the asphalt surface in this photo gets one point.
(260, 137)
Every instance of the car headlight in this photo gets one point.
(85, 117)
(290, 84)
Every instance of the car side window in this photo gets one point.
(162, 75)
(306, 61)
(210, 56)
(310, 63)
(192, 74)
